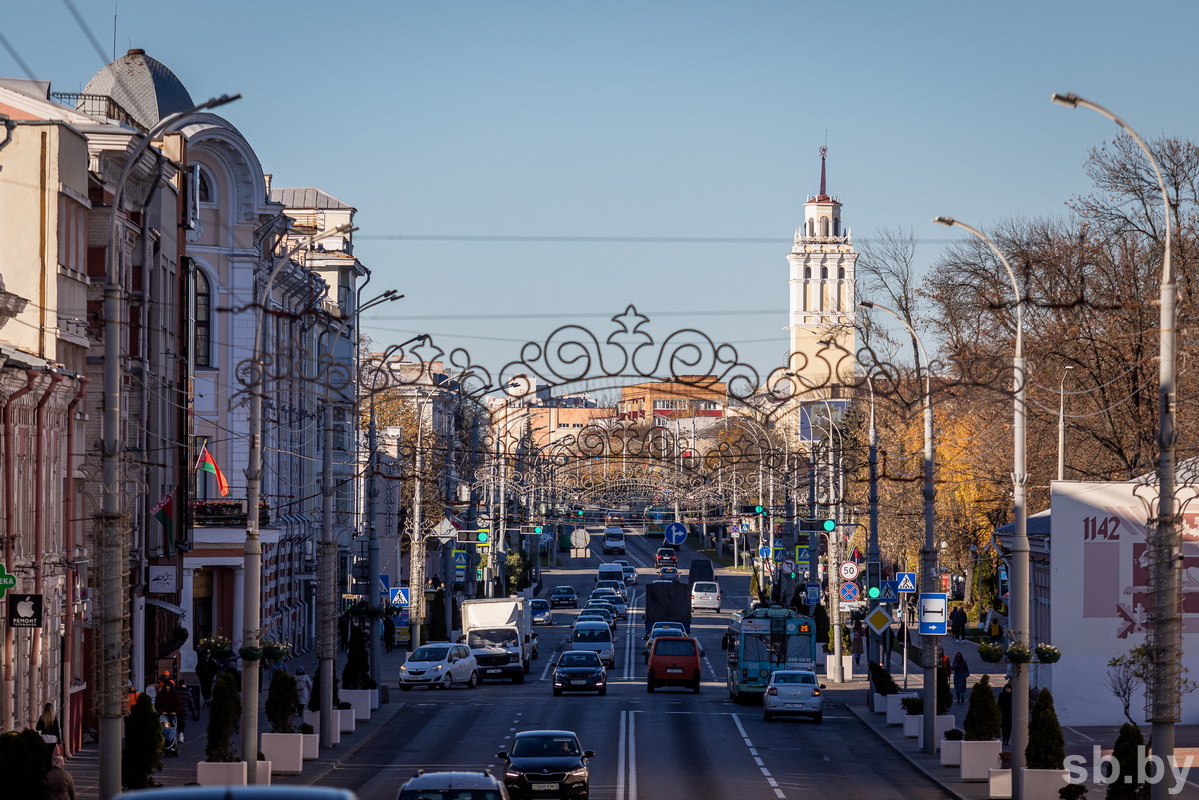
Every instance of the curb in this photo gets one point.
(335, 763)
(940, 783)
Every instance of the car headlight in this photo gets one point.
(511, 773)
(439, 666)
(403, 667)
(513, 658)
(581, 772)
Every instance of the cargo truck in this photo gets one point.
(500, 635)
(667, 601)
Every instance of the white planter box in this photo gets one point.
(285, 751)
(221, 773)
(375, 696)
(846, 667)
(1000, 781)
(1042, 782)
(943, 723)
(895, 712)
(360, 699)
(978, 759)
(263, 778)
(913, 726)
(346, 722)
(312, 745)
(878, 703)
(313, 718)
(951, 752)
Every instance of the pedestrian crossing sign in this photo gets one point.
(906, 582)
(889, 592)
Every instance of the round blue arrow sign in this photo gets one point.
(675, 533)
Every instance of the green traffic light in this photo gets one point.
(829, 524)
(536, 529)
(482, 536)
(757, 509)
(580, 512)
(873, 592)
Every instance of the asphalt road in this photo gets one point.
(669, 744)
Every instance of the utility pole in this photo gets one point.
(327, 568)
(372, 592)
(416, 554)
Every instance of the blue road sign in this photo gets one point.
(849, 592)
(933, 613)
(763, 552)
(803, 554)
(778, 542)
(813, 597)
(675, 533)
(399, 596)
(906, 582)
(385, 579)
(460, 559)
(889, 592)
(780, 555)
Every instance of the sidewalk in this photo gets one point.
(178, 771)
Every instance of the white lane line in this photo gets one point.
(632, 756)
(759, 762)
(750, 745)
(621, 745)
(549, 665)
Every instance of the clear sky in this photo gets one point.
(613, 121)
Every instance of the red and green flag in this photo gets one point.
(208, 464)
(164, 512)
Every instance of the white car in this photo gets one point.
(705, 595)
(597, 637)
(441, 665)
(795, 692)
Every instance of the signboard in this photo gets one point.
(461, 562)
(888, 592)
(878, 620)
(788, 565)
(780, 555)
(24, 611)
(932, 606)
(906, 582)
(849, 592)
(6, 581)
(399, 596)
(802, 554)
(849, 571)
(813, 597)
(445, 530)
(675, 533)
(579, 539)
(763, 552)
(755, 626)
(163, 580)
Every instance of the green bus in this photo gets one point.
(762, 639)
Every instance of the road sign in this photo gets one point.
(6, 581)
(788, 565)
(803, 554)
(932, 613)
(849, 592)
(779, 555)
(849, 570)
(889, 592)
(777, 542)
(445, 530)
(813, 591)
(878, 620)
(906, 582)
(675, 533)
(763, 552)
(399, 596)
(580, 538)
(547, 537)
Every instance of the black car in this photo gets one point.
(666, 556)
(580, 671)
(546, 764)
(564, 596)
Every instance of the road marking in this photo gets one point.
(750, 745)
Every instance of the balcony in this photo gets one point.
(226, 513)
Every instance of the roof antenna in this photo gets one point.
(823, 155)
(114, 31)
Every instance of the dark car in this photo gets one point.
(452, 786)
(666, 556)
(564, 596)
(546, 764)
(580, 671)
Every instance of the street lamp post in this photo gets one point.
(928, 565)
(1061, 424)
(111, 595)
(1165, 627)
(1019, 590)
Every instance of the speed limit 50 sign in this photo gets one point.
(849, 570)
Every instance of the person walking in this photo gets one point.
(303, 689)
(59, 783)
(857, 645)
(961, 673)
(206, 670)
(187, 705)
(1005, 709)
(47, 725)
(389, 633)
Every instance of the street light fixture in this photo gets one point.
(928, 644)
(1165, 627)
(1061, 424)
(1019, 590)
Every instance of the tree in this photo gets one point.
(983, 720)
(1046, 748)
(1126, 752)
(224, 714)
(281, 701)
(141, 755)
(357, 671)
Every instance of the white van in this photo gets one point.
(610, 572)
(614, 541)
(705, 595)
(596, 637)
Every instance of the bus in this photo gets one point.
(762, 639)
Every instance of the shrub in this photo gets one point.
(881, 679)
(281, 701)
(990, 652)
(1046, 749)
(1125, 753)
(24, 762)
(912, 706)
(141, 755)
(224, 714)
(357, 672)
(944, 692)
(983, 721)
(306, 728)
(314, 697)
(955, 735)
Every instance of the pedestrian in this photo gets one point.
(59, 783)
(1005, 709)
(961, 673)
(266, 668)
(857, 645)
(167, 700)
(187, 705)
(48, 727)
(996, 631)
(389, 633)
(230, 668)
(957, 623)
(206, 670)
(303, 689)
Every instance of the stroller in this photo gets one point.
(170, 734)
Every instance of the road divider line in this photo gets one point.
(750, 746)
(621, 745)
(632, 756)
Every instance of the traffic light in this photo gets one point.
(579, 512)
(482, 537)
(531, 530)
(825, 525)
(874, 579)
(755, 509)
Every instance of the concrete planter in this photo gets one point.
(943, 723)
(878, 703)
(313, 718)
(285, 751)
(221, 773)
(263, 778)
(846, 667)
(1042, 782)
(913, 726)
(312, 745)
(360, 699)
(978, 759)
(895, 712)
(375, 695)
(951, 752)
(1000, 785)
(346, 722)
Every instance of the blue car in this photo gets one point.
(543, 612)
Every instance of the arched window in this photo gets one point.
(205, 189)
(824, 273)
(807, 273)
(203, 317)
(841, 273)
(837, 226)
(824, 226)
(811, 227)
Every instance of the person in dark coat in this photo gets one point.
(230, 668)
(187, 705)
(389, 633)
(1005, 709)
(206, 670)
(167, 700)
(58, 781)
(961, 673)
(47, 725)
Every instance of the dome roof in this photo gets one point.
(141, 85)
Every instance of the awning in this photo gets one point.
(174, 609)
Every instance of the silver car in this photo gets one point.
(440, 665)
(795, 692)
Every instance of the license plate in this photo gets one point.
(493, 671)
(792, 705)
(578, 683)
(674, 670)
(544, 787)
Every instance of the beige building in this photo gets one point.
(684, 396)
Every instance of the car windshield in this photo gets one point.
(704, 586)
(429, 654)
(533, 746)
(450, 794)
(540, 605)
(674, 647)
(493, 637)
(582, 658)
(564, 590)
(803, 678)
(592, 635)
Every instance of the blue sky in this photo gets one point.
(643, 119)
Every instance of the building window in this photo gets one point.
(824, 226)
(837, 226)
(203, 317)
(824, 273)
(205, 190)
(840, 273)
(811, 227)
(807, 273)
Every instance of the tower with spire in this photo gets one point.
(823, 306)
